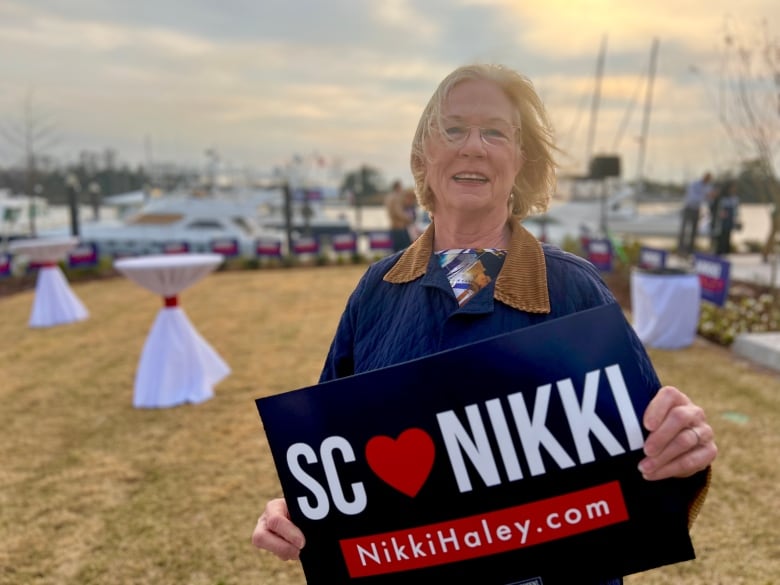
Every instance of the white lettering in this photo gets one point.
(523, 529)
(416, 547)
(505, 444)
(328, 447)
(457, 440)
(387, 552)
(597, 509)
(504, 532)
(533, 432)
(399, 550)
(453, 538)
(708, 268)
(321, 506)
(572, 516)
(627, 413)
(486, 530)
(363, 553)
(583, 418)
(472, 539)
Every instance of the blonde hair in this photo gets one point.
(534, 184)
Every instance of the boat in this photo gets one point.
(617, 213)
(226, 222)
(177, 223)
(309, 213)
(15, 211)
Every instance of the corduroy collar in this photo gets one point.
(521, 284)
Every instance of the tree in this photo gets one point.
(32, 134)
(364, 183)
(749, 102)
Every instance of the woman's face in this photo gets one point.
(471, 170)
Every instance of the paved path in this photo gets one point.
(751, 268)
(761, 348)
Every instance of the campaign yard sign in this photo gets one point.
(600, 254)
(508, 460)
(228, 247)
(380, 241)
(5, 265)
(652, 258)
(346, 242)
(268, 247)
(85, 255)
(714, 277)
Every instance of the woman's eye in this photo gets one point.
(455, 132)
(493, 133)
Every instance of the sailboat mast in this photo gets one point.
(646, 121)
(594, 107)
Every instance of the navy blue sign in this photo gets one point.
(306, 245)
(268, 247)
(714, 277)
(228, 247)
(84, 255)
(600, 254)
(652, 258)
(380, 241)
(5, 265)
(346, 242)
(175, 247)
(501, 461)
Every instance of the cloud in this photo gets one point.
(262, 80)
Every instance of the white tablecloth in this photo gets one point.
(665, 308)
(55, 303)
(177, 364)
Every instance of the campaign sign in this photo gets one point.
(714, 277)
(175, 247)
(306, 245)
(380, 241)
(502, 461)
(5, 265)
(346, 242)
(600, 254)
(83, 255)
(652, 258)
(268, 247)
(228, 247)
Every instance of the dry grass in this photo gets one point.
(93, 491)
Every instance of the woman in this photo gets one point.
(482, 160)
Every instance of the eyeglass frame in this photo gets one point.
(444, 125)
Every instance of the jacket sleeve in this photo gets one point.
(340, 361)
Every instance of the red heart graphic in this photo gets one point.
(404, 463)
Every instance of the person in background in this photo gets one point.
(718, 191)
(401, 213)
(725, 217)
(482, 160)
(698, 193)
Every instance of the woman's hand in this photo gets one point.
(680, 441)
(276, 533)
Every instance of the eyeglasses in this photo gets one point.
(496, 134)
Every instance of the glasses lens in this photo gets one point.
(494, 134)
(498, 134)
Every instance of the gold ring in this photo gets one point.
(698, 436)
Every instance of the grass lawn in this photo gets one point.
(93, 491)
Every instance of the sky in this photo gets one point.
(260, 82)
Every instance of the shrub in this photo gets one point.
(744, 312)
